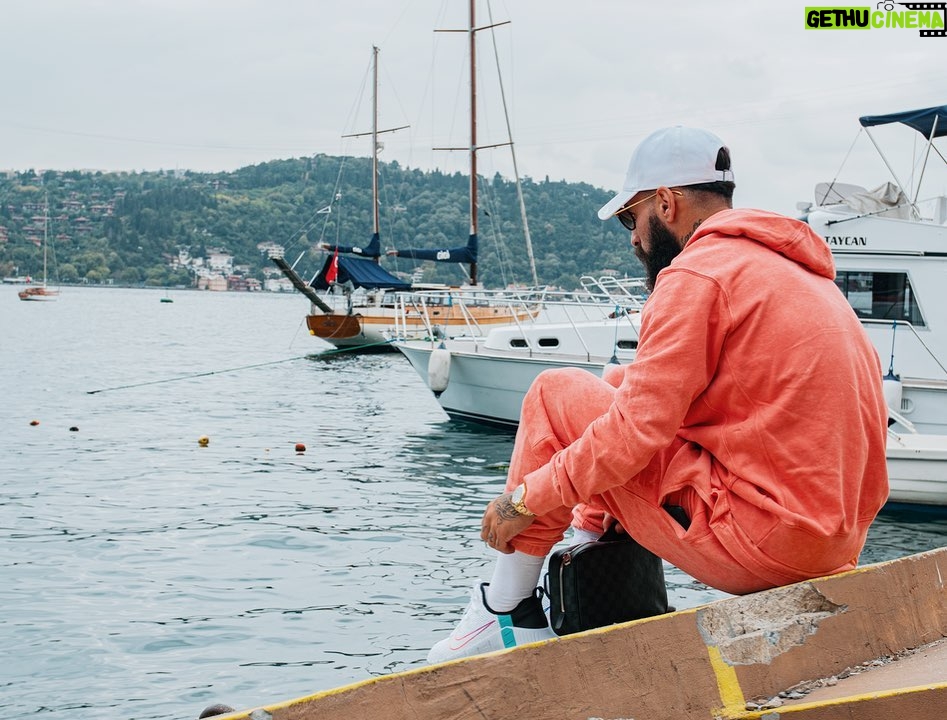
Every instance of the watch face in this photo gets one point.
(518, 492)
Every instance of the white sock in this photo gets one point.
(514, 579)
(581, 536)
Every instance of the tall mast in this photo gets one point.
(471, 31)
(45, 236)
(375, 217)
(473, 131)
(374, 133)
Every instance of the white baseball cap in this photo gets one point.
(671, 157)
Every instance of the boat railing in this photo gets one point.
(573, 313)
(631, 290)
(426, 305)
(525, 309)
(907, 325)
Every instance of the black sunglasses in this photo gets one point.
(627, 219)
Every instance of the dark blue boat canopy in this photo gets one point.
(466, 254)
(920, 120)
(369, 274)
(361, 272)
(372, 250)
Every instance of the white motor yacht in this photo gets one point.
(890, 248)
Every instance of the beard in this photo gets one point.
(664, 248)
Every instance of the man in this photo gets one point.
(754, 405)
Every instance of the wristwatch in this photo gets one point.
(518, 498)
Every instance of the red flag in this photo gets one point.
(333, 272)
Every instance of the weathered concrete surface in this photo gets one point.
(703, 663)
(884, 609)
(926, 665)
(913, 683)
(757, 628)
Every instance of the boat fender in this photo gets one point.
(892, 388)
(438, 370)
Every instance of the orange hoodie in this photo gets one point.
(748, 350)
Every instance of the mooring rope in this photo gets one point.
(334, 351)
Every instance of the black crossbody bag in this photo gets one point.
(611, 580)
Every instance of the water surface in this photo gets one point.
(143, 576)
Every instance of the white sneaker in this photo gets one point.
(481, 630)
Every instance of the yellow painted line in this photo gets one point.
(403, 675)
(853, 700)
(728, 685)
(315, 697)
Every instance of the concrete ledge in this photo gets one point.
(704, 663)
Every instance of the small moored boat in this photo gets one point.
(41, 291)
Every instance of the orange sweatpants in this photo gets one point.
(558, 408)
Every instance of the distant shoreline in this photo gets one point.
(176, 288)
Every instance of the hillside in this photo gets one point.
(158, 228)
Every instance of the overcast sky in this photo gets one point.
(218, 84)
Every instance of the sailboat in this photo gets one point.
(41, 292)
(364, 311)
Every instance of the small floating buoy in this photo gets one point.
(34, 423)
(212, 710)
(73, 429)
(300, 448)
(203, 441)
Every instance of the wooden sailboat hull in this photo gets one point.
(335, 328)
(376, 324)
(829, 641)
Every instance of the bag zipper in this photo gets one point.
(566, 560)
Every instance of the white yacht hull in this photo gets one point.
(917, 468)
(488, 388)
(488, 376)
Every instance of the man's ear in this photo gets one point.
(667, 204)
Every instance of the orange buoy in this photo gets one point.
(203, 441)
(34, 423)
(300, 448)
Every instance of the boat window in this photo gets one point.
(546, 342)
(881, 296)
(627, 344)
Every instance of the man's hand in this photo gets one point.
(610, 521)
(501, 523)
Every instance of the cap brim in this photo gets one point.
(614, 205)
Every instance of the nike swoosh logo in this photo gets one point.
(459, 642)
